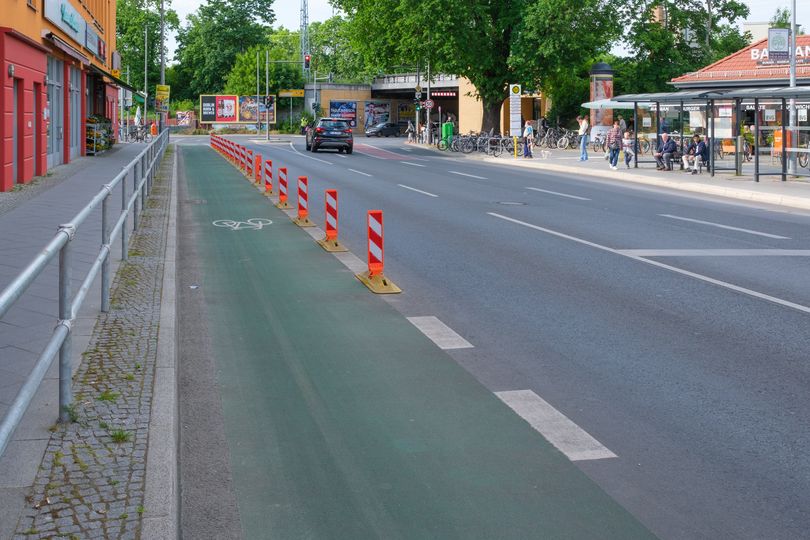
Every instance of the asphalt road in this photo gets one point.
(686, 360)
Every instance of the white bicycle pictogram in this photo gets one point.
(253, 224)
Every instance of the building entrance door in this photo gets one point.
(76, 134)
(55, 112)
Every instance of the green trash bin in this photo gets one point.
(447, 132)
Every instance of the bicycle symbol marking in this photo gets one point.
(253, 224)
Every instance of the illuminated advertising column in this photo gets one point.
(601, 88)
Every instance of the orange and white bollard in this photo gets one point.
(249, 164)
(282, 189)
(268, 178)
(331, 242)
(257, 169)
(374, 278)
(303, 203)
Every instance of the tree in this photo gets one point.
(132, 17)
(213, 36)
(242, 77)
(782, 19)
(476, 39)
(333, 54)
(671, 38)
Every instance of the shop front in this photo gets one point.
(57, 82)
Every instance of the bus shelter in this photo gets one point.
(746, 129)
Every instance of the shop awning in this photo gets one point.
(113, 78)
(65, 47)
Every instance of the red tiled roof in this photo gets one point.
(751, 64)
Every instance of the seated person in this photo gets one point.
(696, 152)
(663, 155)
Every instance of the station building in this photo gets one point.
(56, 63)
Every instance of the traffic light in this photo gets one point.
(417, 104)
(307, 58)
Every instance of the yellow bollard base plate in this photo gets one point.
(303, 222)
(332, 245)
(378, 283)
(283, 205)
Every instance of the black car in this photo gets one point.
(330, 133)
(383, 129)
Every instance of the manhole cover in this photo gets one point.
(512, 203)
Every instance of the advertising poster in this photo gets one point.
(208, 109)
(405, 112)
(376, 112)
(601, 88)
(251, 112)
(184, 118)
(248, 109)
(346, 110)
(227, 109)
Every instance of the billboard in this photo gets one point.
(376, 112)
(225, 109)
(347, 110)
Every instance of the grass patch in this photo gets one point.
(108, 395)
(57, 458)
(72, 413)
(103, 425)
(137, 366)
(120, 435)
(136, 253)
(113, 482)
(129, 377)
(141, 510)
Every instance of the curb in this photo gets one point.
(161, 492)
(694, 187)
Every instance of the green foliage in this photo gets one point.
(132, 17)
(689, 37)
(242, 77)
(782, 19)
(211, 39)
(333, 54)
(181, 105)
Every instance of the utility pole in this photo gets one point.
(258, 116)
(162, 63)
(267, 93)
(145, 82)
(793, 138)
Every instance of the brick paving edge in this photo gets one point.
(161, 493)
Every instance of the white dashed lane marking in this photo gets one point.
(727, 227)
(570, 439)
(417, 190)
(439, 333)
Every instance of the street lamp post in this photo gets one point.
(793, 138)
(162, 63)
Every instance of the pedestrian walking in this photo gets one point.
(584, 127)
(614, 143)
(410, 131)
(528, 140)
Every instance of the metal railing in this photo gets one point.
(143, 169)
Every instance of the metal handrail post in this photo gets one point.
(65, 316)
(124, 205)
(105, 268)
(135, 210)
(784, 142)
(147, 174)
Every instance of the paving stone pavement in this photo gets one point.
(91, 481)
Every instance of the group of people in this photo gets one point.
(695, 154)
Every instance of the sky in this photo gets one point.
(288, 12)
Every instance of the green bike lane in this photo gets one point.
(342, 419)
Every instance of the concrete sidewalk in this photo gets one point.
(795, 193)
(29, 218)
